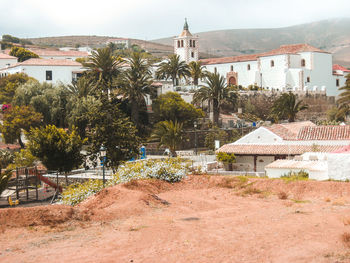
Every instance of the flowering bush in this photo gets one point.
(77, 193)
(170, 170)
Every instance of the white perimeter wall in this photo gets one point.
(5, 62)
(338, 166)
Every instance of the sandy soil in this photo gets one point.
(202, 219)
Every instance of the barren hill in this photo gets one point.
(99, 41)
(331, 35)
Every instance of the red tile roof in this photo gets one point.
(289, 131)
(345, 149)
(321, 133)
(4, 146)
(253, 149)
(6, 56)
(284, 49)
(338, 67)
(47, 62)
(59, 53)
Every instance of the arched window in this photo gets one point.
(178, 43)
(231, 68)
(182, 43)
(190, 43)
(192, 54)
(303, 62)
(248, 67)
(308, 79)
(193, 43)
(272, 63)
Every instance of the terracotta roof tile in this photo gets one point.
(47, 62)
(284, 49)
(329, 132)
(59, 53)
(338, 67)
(4, 146)
(345, 149)
(6, 56)
(245, 149)
(289, 131)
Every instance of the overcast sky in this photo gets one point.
(151, 19)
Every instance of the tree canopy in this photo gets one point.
(22, 54)
(57, 149)
(9, 85)
(171, 107)
(173, 69)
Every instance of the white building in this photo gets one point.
(284, 141)
(319, 166)
(7, 60)
(46, 70)
(60, 54)
(186, 45)
(298, 67)
(120, 41)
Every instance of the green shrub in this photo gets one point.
(295, 176)
(226, 157)
(170, 170)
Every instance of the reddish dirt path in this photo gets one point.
(206, 220)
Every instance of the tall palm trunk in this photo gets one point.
(216, 112)
(135, 112)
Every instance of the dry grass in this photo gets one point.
(346, 239)
(282, 195)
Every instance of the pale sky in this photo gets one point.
(151, 19)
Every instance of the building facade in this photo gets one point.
(298, 67)
(46, 70)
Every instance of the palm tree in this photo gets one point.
(215, 92)
(81, 88)
(344, 100)
(286, 106)
(103, 68)
(173, 68)
(136, 83)
(169, 134)
(197, 71)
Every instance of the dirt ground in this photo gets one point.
(201, 219)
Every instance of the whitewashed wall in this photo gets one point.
(260, 136)
(59, 73)
(7, 62)
(338, 166)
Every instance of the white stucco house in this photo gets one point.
(7, 60)
(319, 166)
(46, 70)
(119, 41)
(284, 141)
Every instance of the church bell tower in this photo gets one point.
(186, 45)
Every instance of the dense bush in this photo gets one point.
(77, 193)
(295, 176)
(226, 157)
(170, 170)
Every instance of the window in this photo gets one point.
(308, 79)
(231, 68)
(248, 67)
(48, 74)
(178, 43)
(182, 43)
(272, 63)
(215, 70)
(193, 43)
(192, 54)
(303, 62)
(337, 82)
(190, 43)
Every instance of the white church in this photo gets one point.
(297, 67)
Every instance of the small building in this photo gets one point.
(122, 42)
(46, 70)
(319, 166)
(284, 141)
